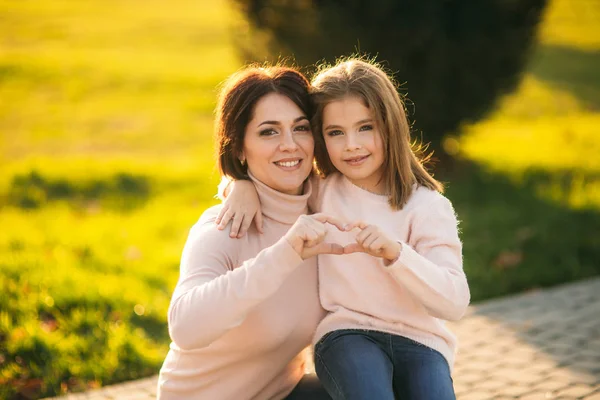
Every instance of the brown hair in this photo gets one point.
(367, 80)
(235, 107)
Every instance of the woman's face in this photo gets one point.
(278, 144)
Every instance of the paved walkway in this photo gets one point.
(539, 345)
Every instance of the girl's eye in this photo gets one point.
(336, 132)
(268, 132)
(303, 128)
(366, 128)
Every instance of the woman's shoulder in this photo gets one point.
(209, 215)
(205, 230)
(206, 245)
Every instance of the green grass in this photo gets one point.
(106, 162)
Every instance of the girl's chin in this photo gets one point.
(357, 175)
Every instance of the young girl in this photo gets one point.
(401, 277)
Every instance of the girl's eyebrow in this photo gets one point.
(270, 122)
(332, 127)
(362, 121)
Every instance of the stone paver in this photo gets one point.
(538, 345)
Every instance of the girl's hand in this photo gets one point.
(242, 205)
(307, 235)
(373, 241)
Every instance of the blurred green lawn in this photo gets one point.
(107, 160)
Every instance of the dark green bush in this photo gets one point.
(454, 56)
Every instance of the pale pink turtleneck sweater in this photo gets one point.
(413, 296)
(243, 309)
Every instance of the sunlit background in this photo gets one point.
(106, 160)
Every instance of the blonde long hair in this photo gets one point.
(363, 78)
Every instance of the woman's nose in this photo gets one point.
(287, 142)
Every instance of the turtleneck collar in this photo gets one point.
(281, 207)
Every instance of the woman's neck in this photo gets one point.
(282, 207)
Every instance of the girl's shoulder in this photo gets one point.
(423, 198)
(333, 179)
(321, 185)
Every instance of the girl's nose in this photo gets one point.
(351, 142)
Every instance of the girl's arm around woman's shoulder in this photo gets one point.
(430, 264)
(214, 294)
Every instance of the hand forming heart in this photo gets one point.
(373, 241)
(308, 233)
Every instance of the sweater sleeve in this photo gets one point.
(212, 296)
(430, 267)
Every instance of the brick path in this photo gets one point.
(539, 345)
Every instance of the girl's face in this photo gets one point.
(354, 143)
(278, 144)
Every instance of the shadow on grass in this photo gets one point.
(515, 240)
(577, 71)
(122, 191)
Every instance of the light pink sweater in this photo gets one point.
(243, 309)
(413, 296)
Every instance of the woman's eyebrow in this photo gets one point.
(271, 122)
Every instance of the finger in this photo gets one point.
(356, 225)
(245, 226)
(329, 248)
(369, 240)
(235, 225)
(226, 218)
(316, 226)
(221, 213)
(258, 221)
(353, 248)
(312, 238)
(377, 245)
(330, 220)
(364, 234)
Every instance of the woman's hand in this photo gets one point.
(373, 241)
(307, 235)
(242, 205)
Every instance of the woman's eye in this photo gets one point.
(336, 132)
(268, 132)
(303, 128)
(366, 128)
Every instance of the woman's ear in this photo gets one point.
(242, 159)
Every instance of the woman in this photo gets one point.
(245, 309)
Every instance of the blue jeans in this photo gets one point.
(360, 364)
